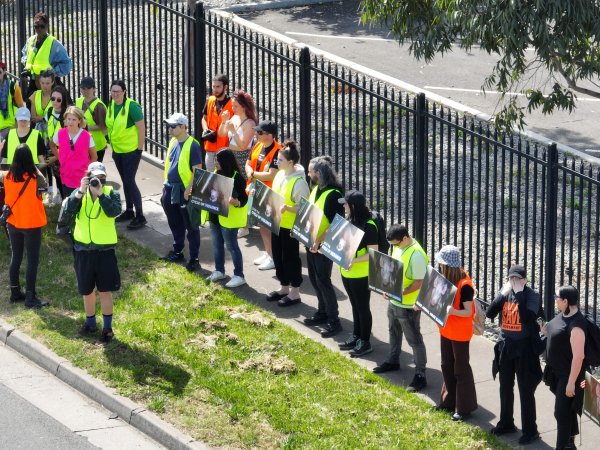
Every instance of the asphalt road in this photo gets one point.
(335, 28)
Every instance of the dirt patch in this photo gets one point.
(268, 362)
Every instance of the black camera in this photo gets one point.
(210, 136)
(95, 182)
(6, 212)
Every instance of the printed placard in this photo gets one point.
(436, 294)
(266, 207)
(307, 223)
(591, 398)
(211, 191)
(341, 241)
(385, 274)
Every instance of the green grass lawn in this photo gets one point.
(245, 381)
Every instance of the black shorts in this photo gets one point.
(97, 269)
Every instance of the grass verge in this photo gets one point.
(221, 369)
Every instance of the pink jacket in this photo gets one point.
(73, 161)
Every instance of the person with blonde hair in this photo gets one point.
(74, 148)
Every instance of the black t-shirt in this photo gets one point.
(41, 147)
(466, 295)
(263, 154)
(219, 104)
(332, 205)
(371, 236)
(558, 346)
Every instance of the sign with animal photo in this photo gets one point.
(385, 274)
(435, 296)
(307, 222)
(591, 398)
(266, 207)
(341, 242)
(211, 192)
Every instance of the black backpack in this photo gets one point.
(592, 344)
(382, 243)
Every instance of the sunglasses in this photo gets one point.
(56, 99)
(172, 127)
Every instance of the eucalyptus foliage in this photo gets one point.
(546, 48)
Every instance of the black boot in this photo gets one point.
(16, 294)
(31, 300)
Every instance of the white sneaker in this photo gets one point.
(235, 282)
(243, 232)
(261, 259)
(268, 264)
(216, 276)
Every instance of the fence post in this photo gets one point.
(21, 31)
(199, 67)
(104, 62)
(420, 180)
(305, 108)
(551, 214)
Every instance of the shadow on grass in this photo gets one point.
(142, 366)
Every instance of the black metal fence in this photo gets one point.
(450, 177)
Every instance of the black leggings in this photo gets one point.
(360, 299)
(29, 239)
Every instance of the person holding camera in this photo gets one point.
(217, 104)
(24, 216)
(95, 206)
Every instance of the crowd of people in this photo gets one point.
(49, 141)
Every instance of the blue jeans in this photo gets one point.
(127, 164)
(222, 237)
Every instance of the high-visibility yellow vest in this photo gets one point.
(9, 121)
(39, 109)
(359, 269)
(408, 300)
(320, 203)
(98, 135)
(183, 166)
(92, 225)
(13, 142)
(238, 216)
(288, 217)
(122, 139)
(39, 60)
(53, 125)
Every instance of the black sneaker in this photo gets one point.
(107, 335)
(16, 295)
(192, 265)
(528, 438)
(317, 319)
(386, 367)
(499, 430)
(349, 343)
(331, 329)
(362, 348)
(174, 256)
(31, 301)
(86, 330)
(125, 216)
(418, 383)
(137, 223)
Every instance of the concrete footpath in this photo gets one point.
(156, 235)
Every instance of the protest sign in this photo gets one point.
(211, 192)
(385, 274)
(341, 241)
(307, 222)
(436, 294)
(266, 206)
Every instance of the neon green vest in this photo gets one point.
(122, 139)
(39, 61)
(408, 300)
(360, 269)
(39, 110)
(237, 218)
(92, 226)
(53, 125)
(13, 142)
(288, 217)
(320, 203)
(98, 135)
(183, 166)
(9, 121)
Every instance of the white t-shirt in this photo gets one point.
(74, 139)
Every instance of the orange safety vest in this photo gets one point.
(255, 153)
(457, 328)
(213, 120)
(28, 211)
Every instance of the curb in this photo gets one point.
(274, 4)
(132, 413)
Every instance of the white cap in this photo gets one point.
(23, 114)
(177, 119)
(97, 168)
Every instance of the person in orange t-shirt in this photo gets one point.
(22, 183)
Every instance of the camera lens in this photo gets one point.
(95, 182)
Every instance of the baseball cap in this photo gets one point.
(449, 255)
(177, 119)
(97, 168)
(354, 197)
(23, 114)
(266, 126)
(517, 271)
(87, 82)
